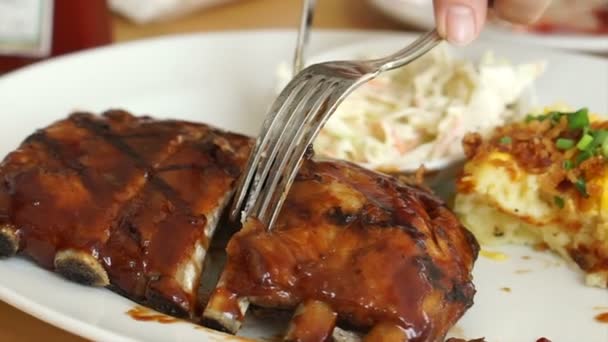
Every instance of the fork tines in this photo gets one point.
(295, 119)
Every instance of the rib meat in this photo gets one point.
(120, 201)
(377, 252)
(132, 203)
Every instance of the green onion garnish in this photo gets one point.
(605, 148)
(530, 118)
(559, 201)
(585, 142)
(582, 156)
(581, 186)
(568, 165)
(578, 119)
(505, 140)
(555, 117)
(599, 137)
(564, 144)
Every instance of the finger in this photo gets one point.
(460, 21)
(520, 11)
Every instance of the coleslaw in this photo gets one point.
(420, 113)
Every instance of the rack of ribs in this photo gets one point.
(132, 204)
(351, 247)
(120, 201)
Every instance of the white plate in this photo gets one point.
(227, 79)
(419, 13)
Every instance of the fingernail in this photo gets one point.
(460, 24)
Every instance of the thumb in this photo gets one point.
(460, 21)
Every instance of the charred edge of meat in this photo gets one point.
(461, 294)
(81, 267)
(471, 242)
(9, 241)
(312, 321)
(161, 303)
(116, 289)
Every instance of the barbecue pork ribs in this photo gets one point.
(120, 201)
(131, 203)
(357, 245)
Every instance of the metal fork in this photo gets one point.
(306, 19)
(295, 119)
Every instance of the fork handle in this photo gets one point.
(414, 50)
(308, 10)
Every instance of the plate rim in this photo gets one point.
(57, 319)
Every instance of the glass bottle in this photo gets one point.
(34, 30)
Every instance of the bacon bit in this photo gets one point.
(465, 185)
(593, 166)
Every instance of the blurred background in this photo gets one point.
(31, 30)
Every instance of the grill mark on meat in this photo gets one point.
(401, 199)
(222, 160)
(55, 149)
(178, 167)
(102, 130)
(52, 147)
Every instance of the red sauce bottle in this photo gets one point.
(35, 30)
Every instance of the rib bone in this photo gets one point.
(9, 240)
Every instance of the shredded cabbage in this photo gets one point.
(420, 113)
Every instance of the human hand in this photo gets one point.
(460, 21)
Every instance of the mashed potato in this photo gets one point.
(542, 181)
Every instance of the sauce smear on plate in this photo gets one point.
(140, 313)
(603, 317)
